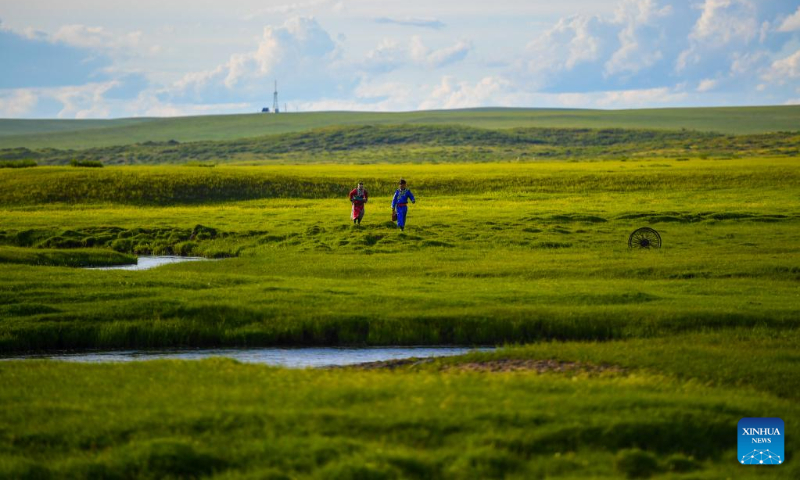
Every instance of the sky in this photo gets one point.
(110, 59)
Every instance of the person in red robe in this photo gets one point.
(358, 197)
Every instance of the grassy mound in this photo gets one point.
(139, 241)
(64, 258)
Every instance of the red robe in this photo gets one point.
(358, 203)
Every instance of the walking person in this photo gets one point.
(358, 197)
(400, 204)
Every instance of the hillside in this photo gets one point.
(425, 144)
(80, 134)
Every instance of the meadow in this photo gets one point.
(631, 363)
(672, 416)
(494, 254)
(421, 144)
(83, 134)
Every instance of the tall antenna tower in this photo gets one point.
(275, 99)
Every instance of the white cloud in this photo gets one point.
(148, 105)
(597, 51)
(387, 56)
(725, 20)
(640, 98)
(707, 84)
(784, 70)
(412, 22)
(441, 57)
(448, 93)
(570, 42)
(300, 53)
(610, 54)
(96, 38)
(764, 32)
(18, 103)
(490, 91)
(454, 94)
(721, 22)
(391, 55)
(791, 23)
(637, 50)
(745, 64)
(290, 8)
(83, 101)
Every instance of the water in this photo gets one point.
(148, 262)
(284, 357)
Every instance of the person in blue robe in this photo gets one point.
(400, 203)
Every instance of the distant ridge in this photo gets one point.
(79, 134)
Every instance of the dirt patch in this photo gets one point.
(493, 366)
(539, 366)
(388, 364)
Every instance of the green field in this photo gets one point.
(493, 253)
(80, 134)
(619, 363)
(671, 413)
(421, 144)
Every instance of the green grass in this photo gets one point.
(221, 419)
(493, 254)
(418, 144)
(160, 186)
(703, 332)
(140, 241)
(64, 258)
(732, 358)
(79, 134)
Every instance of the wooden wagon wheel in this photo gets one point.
(644, 237)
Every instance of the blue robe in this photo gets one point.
(399, 204)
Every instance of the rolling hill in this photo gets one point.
(81, 134)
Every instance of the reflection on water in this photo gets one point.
(147, 262)
(285, 357)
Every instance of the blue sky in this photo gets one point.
(102, 59)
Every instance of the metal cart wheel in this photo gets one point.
(644, 237)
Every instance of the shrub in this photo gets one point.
(161, 248)
(184, 249)
(161, 458)
(85, 163)
(61, 242)
(635, 463)
(680, 463)
(201, 232)
(122, 245)
(17, 164)
(142, 249)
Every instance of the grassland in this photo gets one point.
(420, 144)
(81, 134)
(671, 347)
(494, 254)
(672, 416)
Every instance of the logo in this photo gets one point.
(761, 441)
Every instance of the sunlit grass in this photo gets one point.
(701, 333)
(163, 418)
(544, 257)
